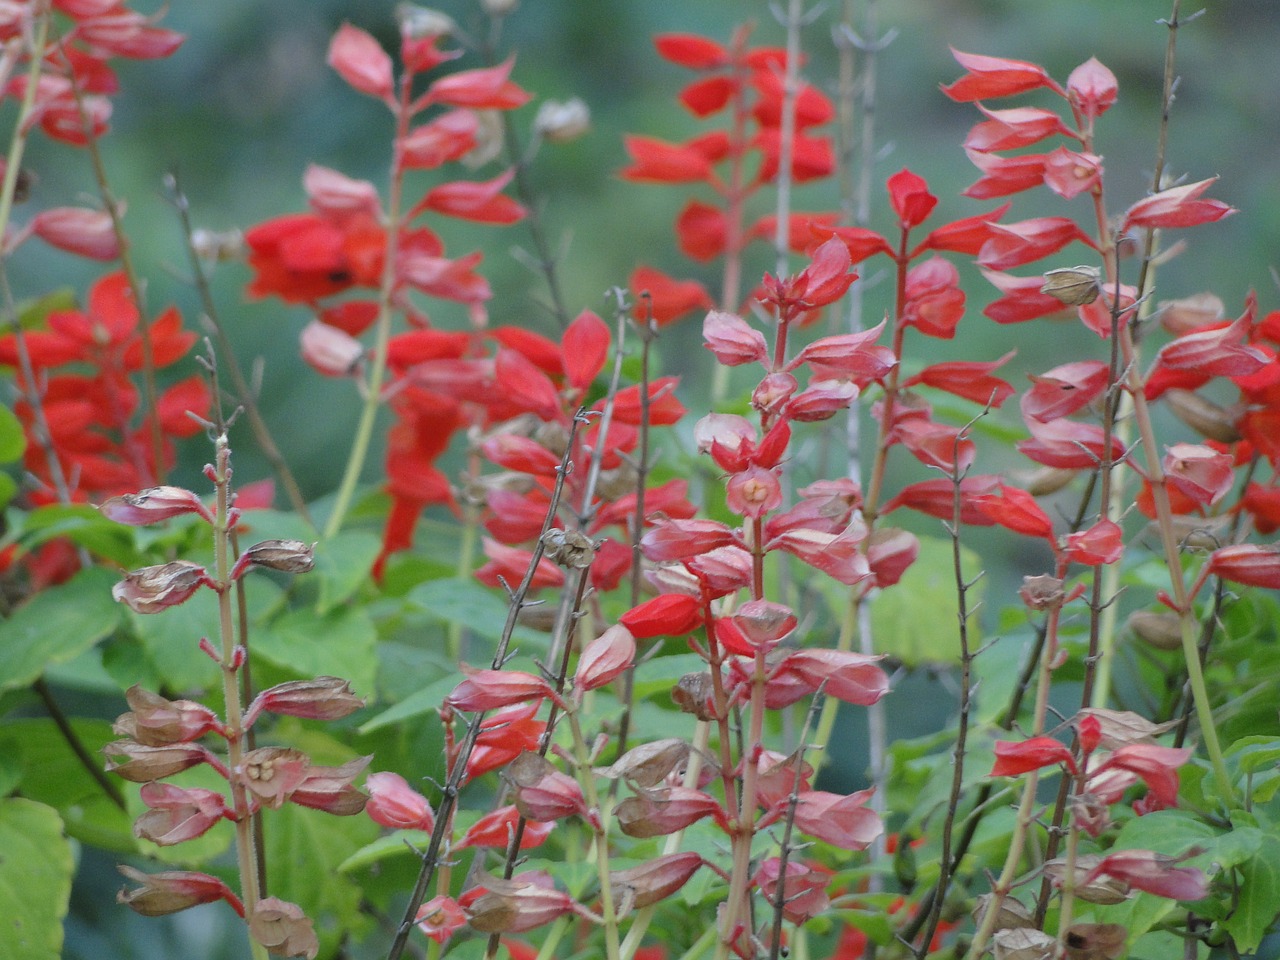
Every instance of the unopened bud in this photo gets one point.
(152, 589)
(1162, 630)
(324, 698)
(156, 721)
(524, 902)
(656, 880)
(171, 891)
(1204, 416)
(560, 121)
(541, 791)
(605, 658)
(287, 556)
(283, 928)
(142, 764)
(1074, 286)
(152, 505)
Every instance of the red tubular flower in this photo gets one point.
(963, 236)
(937, 498)
(1219, 351)
(1069, 173)
(1153, 873)
(967, 379)
(1021, 298)
(835, 554)
(803, 892)
(1018, 511)
(910, 198)
(682, 539)
(1177, 207)
(1101, 544)
(1014, 759)
(496, 829)
(668, 614)
(361, 61)
(1068, 444)
(153, 505)
(1248, 564)
(701, 230)
(440, 918)
(490, 689)
(1156, 765)
(444, 139)
(173, 890)
(991, 77)
(586, 347)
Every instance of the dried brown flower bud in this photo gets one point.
(650, 763)
(152, 589)
(1095, 941)
(1024, 944)
(156, 721)
(568, 548)
(1205, 417)
(1074, 286)
(142, 764)
(693, 694)
(283, 928)
(1049, 480)
(324, 698)
(170, 891)
(658, 813)
(1162, 629)
(1042, 593)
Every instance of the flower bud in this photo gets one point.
(152, 589)
(393, 803)
(156, 721)
(283, 928)
(524, 902)
(170, 891)
(287, 556)
(542, 792)
(732, 340)
(821, 400)
(655, 880)
(330, 788)
(272, 773)
(152, 505)
(1074, 286)
(324, 698)
(659, 813)
(651, 763)
(142, 764)
(560, 121)
(605, 658)
(177, 814)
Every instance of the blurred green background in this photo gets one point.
(248, 102)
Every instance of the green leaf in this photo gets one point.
(1259, 900)
(474, 606)
(426, 700)
(82, 525)
(35, 880)
(7, 489)
(342, 565)
(915, 621)
(310, 644)
(54, 775)
(305, 849)
(12, 439)
(56, 625)
(392, 846)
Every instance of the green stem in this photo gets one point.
(601, 831)
(382, 329)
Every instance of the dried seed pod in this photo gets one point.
(1074, 286)
(693, 694)
(569, 548)
(1024, 944)
(650, 763)
(1204, 416)
(1012, 916)
(1161, 630)
(1095, 941)
(287, 556)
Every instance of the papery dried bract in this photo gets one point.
(283, 928)
(152, 505)
(177, 814)
(170, 891)
(1177, 207)
(655, 880)
(156, 721)
(153, 589)
(607, 657)
(142, 764)
(490, 689)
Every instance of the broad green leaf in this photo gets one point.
(342, 565)
(54, 775)
(12, 439)
(56, 625)
(7, 489)
(393, 845)
(1259, 900)
(35, 880)
(305, 849)
(172, 637)
(84, 526)
(1171, 832)
(1251, 754)
(475, 607)
(309, 644)
(916, 620)
(426, 700)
